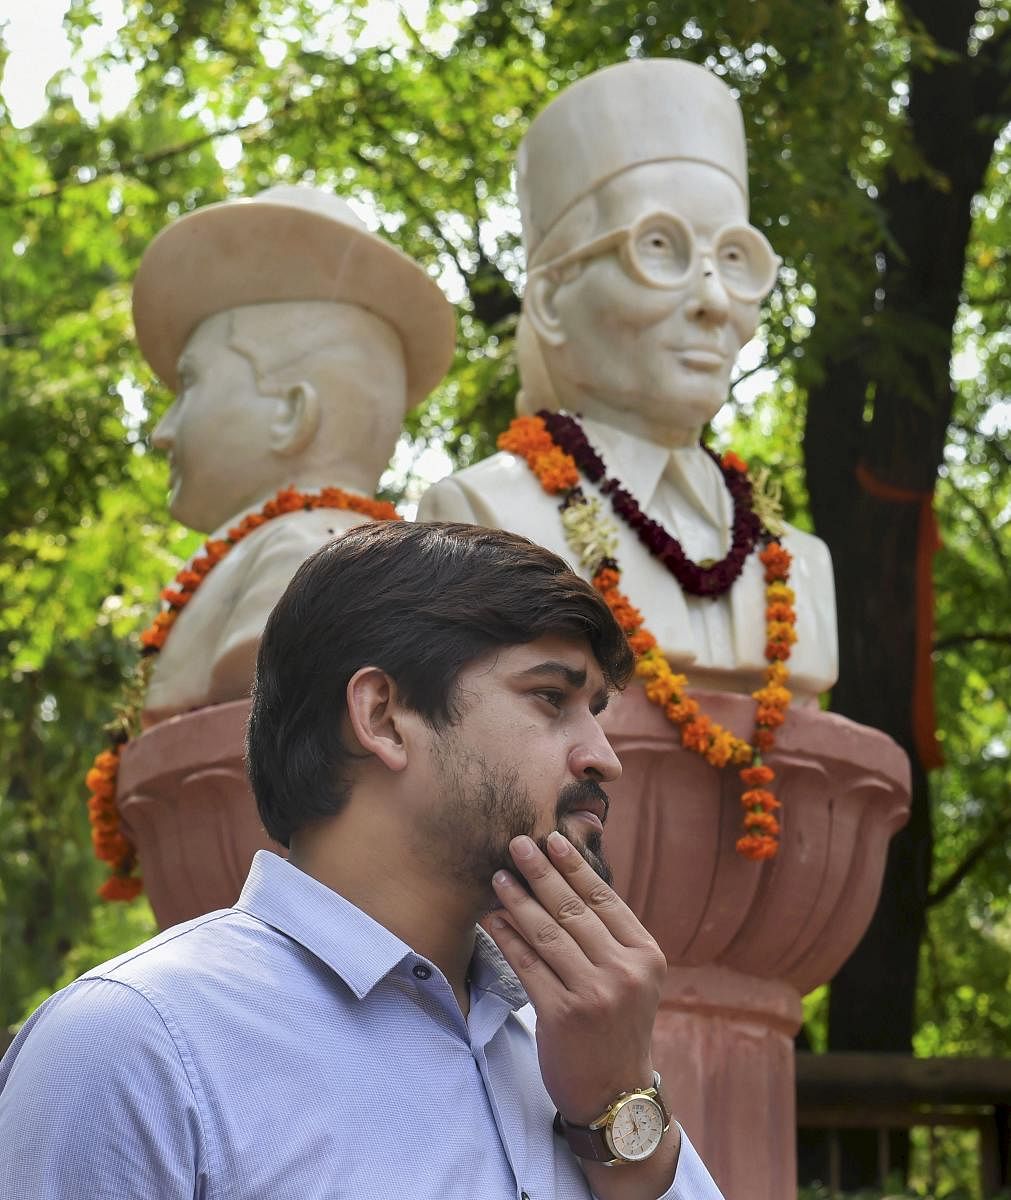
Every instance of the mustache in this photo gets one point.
(581, 794)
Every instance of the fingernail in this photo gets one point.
(498, 923)
(502, 878)
(522, 847)
(558, 842)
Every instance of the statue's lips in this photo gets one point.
(699, 360)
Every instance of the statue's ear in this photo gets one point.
(539, 307)
(296, 419)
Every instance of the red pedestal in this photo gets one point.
(744, 941)
(187, 806)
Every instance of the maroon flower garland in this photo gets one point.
(694, 578)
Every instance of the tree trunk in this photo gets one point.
(873, 444)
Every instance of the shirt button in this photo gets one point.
(422, 972)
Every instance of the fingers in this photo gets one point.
(555, 920)
(548, 948)
(567, 872)
(562, 925)
(539, 981)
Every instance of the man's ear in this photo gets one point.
(539, 307)
(296, 419)
(375, 715)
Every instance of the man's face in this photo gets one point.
(526, 756)
(664, 354)
(217, 432)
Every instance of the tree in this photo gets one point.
(880, 402)
(879, 171)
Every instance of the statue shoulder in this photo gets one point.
(294, 537)
(265, 562)
(210, 656)
(478, 493)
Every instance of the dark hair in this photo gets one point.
(420, 601)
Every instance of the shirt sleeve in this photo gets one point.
(691, 1179)
(96, 1101)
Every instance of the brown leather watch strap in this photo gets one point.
(583, 1141)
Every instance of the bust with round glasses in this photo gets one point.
(644, 281)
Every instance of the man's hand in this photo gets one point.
(592, 972)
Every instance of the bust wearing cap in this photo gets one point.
(295, 341)
(644, 280)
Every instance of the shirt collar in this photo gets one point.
(634, 461)
(640, 465)
(490, 972)
(349, 941)
(360, 950)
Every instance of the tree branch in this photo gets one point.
(435, 65)
(410, 200)
(962, 639)
(985, 301)
(995, 837)
(984, 520)
(992, 442)
(765, 365)
(138, 162)
(937, 991)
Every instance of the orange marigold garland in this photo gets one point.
(591, 535)
(110, 844)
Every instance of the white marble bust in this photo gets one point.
(644, 281)
(295, 341)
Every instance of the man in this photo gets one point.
(424, 737)
(295, 340)
(644, 281)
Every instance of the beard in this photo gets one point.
(484, 807)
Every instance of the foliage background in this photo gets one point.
(416, 112)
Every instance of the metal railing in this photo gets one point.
(885, 1092)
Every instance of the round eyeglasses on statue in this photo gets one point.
(661, 251)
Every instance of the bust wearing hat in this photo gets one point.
(295, 341)
(644, 281)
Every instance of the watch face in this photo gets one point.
(636, 1129)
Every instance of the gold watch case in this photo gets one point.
(635, 1126)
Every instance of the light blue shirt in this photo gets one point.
(289, 1047)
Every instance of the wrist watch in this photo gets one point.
(628, 1131)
